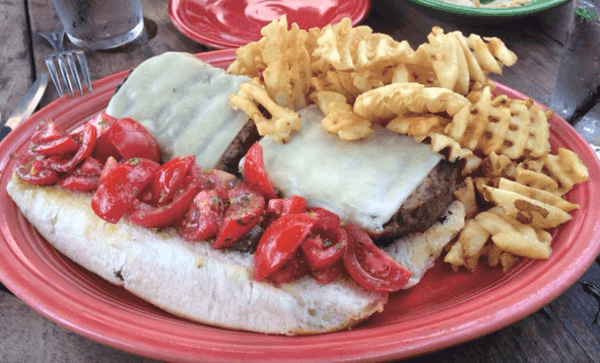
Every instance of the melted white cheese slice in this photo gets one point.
(183, 102)
(364, 182)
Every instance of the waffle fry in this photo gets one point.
(498, 166)
(448, 60)
(282, 122)
(467, 197)
(526, 210)
(508, 236)
(566, 169)
(348, 48)
(397, 99)
(535, 179)
(445, 145)
(419, 127)
(339, 118)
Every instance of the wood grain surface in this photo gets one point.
(563, 331)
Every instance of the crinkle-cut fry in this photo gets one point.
(482, 182)
(537, 145)
(287, 75)
(347, 124)
(510, 239)
(368, 79)
(476, 88)
(279, 40)
(498, 166)
(535, 179)
(526, 210)
(513, 236)
(418, 127)
(385, 102)
(381, 50)
(499, 50)
(535, 165)
(518, 131)
(339, 118)
(311, 43)
(335, 82)
(287, 84)
(537, 194)
(346, 80)
(348, 48)
(507, 260)
(496, 130)
(283, 121)
(455, 256)
(337, 43)
(466, 195)
(436, 100)
(567, 169)
(448, 60)
(441, 142)
(398, 99)
(330, 101)
(486, 53)
(468, 124)
(248, 60)
(493, 255)
(401, 73)
(475, 72)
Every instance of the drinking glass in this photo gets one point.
(100, 24)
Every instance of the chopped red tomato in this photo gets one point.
(108, 165)
(369, 265)
(255, 172)
(330, 274)
(205, 215)
(166, 215)
(123, 139)
(85, 149)
(211, 179)
(85, 178)
(292, 269)
(104, 148)
(325, 247)
(279, 242)
(169, 177)
(120, 187)
(278, 207)
(131, 139)
(326, 220)
(32, 169)
(50, 139)
(245, 208)
(294, 204)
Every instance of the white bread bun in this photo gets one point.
(418, 251)
(188, 279)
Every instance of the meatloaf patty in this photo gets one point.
(426, 204)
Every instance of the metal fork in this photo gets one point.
(55, 38)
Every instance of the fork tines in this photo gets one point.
(74, 74)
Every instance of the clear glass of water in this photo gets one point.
(100, 24)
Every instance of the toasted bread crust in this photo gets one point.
(188, 279)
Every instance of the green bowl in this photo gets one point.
(534, 7)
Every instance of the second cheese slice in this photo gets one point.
(364, 182)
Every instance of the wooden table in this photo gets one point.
(563, 331)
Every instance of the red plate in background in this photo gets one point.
(446, 308)
(231, 23)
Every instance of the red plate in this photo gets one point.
(446, 308)
(232, 23)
